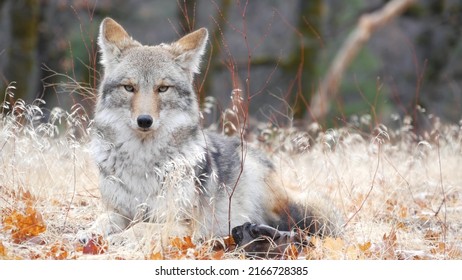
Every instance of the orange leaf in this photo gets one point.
(364, 247)
(182, 244)
(2, 250)
(95, 246)
(57, 252)
(439, 249)
(156, 256)
(24, 226)
(403, 212)
(188, 242)
(291, 252)
(218, 255)
(176, 242)
(229, 242)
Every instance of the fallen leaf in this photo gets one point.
(365, 247)
(156, 256)
(439, 249)
(229, 242)
(23, 226)
(2, 251)
(57, 251)
(403, 212)
(291, 252)
(432, 235)
(390, 243)
(218, 255)
(182, 244)
(333, 248)
(95, 246)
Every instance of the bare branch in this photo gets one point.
(367, 24)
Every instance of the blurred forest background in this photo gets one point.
(276, 51)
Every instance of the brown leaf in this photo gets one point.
(390, 243)
(188, 242)
(229, 242)
(439, 249)
(27, 197)
(390, 239)
(182, 244)
(23, 226)
(96, 245)
(422, 203)
(391, 204)
(431, 235)
(218, 255)
(291, 252)
(57, 252)
(403, 212)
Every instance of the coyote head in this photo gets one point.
(148, 87)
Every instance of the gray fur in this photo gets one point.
(174, 170)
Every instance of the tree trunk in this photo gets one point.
(303, 62)
(23, 67)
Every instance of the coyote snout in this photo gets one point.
(144, 121)
(145, 111)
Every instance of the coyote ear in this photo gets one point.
(113, 40)
(189, 49)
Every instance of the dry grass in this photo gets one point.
(399, 194)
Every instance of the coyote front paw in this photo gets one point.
(106, 225)
(264, 241)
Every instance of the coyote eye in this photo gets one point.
(162, 88)
(129, 88)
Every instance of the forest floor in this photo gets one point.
(399, 194)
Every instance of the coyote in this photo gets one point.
(158, 165)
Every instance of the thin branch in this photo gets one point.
(367, 25)
(443, 202)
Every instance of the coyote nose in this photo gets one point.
(144, 121)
